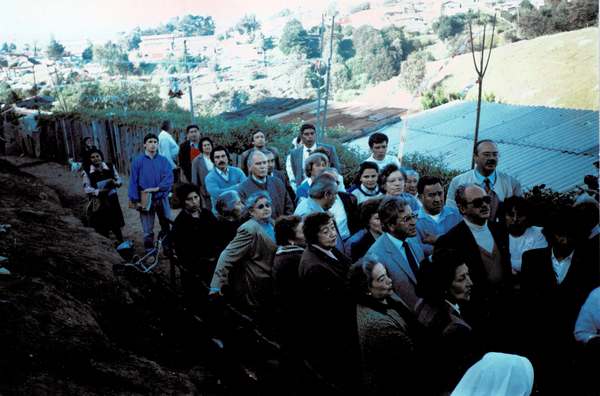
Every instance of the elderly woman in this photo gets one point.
(361, 242)
(252, 250)
(200, 168)
(386, 329)
(328, 315)
(231, 216)
(391, 183)
(452, 347)
(193, 232)
(312, 165)
(101, 180)
(365, 185)
(412, 179)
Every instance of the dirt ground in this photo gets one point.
(71, 325)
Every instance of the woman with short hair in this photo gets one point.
(365, 184)
(231, 215)
(392, 181)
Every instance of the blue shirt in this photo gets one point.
(449, 217)
(481, 178)
(148, 172)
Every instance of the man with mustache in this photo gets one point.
(496, 184)
(223, 177)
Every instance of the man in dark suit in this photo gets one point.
(189, 150)
(555, 283)
(398, 248)
(271, 171)
(299, 155)
(259, 141)
(485, 245)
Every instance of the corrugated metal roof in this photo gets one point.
(538, 145)
(268, 107)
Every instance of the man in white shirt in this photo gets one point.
(378, 146)
(167, 146)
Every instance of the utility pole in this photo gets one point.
(192, 118)
(328, 72)
(318, 70)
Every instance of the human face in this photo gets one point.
(375, 224)
(238, 208)
(411, 185)
(381, 286)
(327, 236)
(192, 202)
(329, 200)
(432, 199)
(194, 135)
(379, 150)
(261, 210)
(395, 184)
(151, 145)
(460, 289)
(221, 160)
(96, 159)
(259, 139)
(369, 179)
(472, 212)
(316, 168)
(206, 147)
(271, 162)
(259, 166)
(300, 240)
(403, 229)
(562, 244)
(486, 158)
(515, 222)
(308, 137)
(88, 142)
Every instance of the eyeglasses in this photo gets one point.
(262, 206)
(410, 217)
(478, 202)
(487, 155)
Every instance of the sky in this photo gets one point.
(27, 20)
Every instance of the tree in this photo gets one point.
(12, 47)
(88, 53)
(247, 24)
(55, 49)
(294, 39)
(5, 47)
(526, 5)
(26, 47)
(111, 52)
(361, 7)
(448, 26)
(196, 25)
(412, 73)
(437, 98)
(582, 13)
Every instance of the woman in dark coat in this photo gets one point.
(101, 180)
(451, 346)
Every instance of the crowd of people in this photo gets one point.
(386, 287)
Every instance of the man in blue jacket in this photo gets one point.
(151, 173)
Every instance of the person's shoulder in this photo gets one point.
(451, 210)
(506, 176)
(276, 182)
(184, 144)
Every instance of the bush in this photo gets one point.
(430, 165)
(547, 201)
(437, 98)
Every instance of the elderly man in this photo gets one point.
(496, 184)
(435, 218)
(485, 246)
(298, 156)
(258, 180)
(398, 248)
(378, 146)
(189, 150)
(259, 141)
(167, 147)
(278, 174)
(344, 209)
(223, 177)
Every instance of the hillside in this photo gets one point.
(560, 70)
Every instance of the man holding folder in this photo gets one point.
(149, 186)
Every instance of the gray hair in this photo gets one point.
(389, 209)
(267, 153)
(225, 204)
(321, 185)
(460, 195)
(313, 159)
(251, 200)
(329, 169)
(411, 172)
(252, 155)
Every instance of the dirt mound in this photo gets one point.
(69, 324)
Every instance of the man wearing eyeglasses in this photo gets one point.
(497, 184)
(485, 246)
(398, 248)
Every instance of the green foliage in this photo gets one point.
(437, 98)
(196, 25)
(88, 53)
(507, 15)
(546, 201)
(294, 39)
(55, 49)
(118, 60)
(247, 24)
(526, 5)
(564, 17)
(26, 47)
(379, 62)
(12, 47)
(430, 165)
(5, 47)
(448, 26)
(361, 7)
(413, 74)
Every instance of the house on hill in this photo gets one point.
(538, 145)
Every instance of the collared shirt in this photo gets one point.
(195, 145)
(223, 174)
(401, 245)
(258, 181)
(339, 213)
(305, 152)
(561, 267)
(209, 164)
(327, 252)
(481, 178)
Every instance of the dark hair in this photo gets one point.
(362, 168)
(435, 277)
(428, 181)
(184, 190)
(368, 209)
(479, 143)
(285, 229)
(587, 212)
(389, 209)
(311, 160)
(323, 150)
(520, 204)
(321, 185)
(150, 136)
(298, 139)
(95, 150)
(313, 223)
(385, 173)
(166, 125)
(378, 138)
(190, 127)
(254, 132)
(307, 126)
(267, 152)
(563, 222)
(360, 276)
(205, 139)
(225, 205)
(219, 148)
(85, 139)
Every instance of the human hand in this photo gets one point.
(430, 238)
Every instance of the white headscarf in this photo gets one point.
(497, 374)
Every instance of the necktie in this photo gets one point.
(411, 259)
(486, 185)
